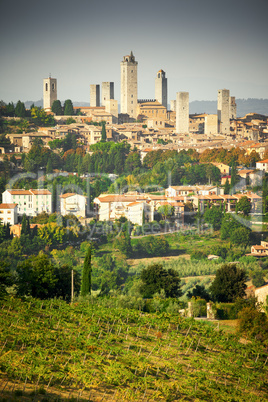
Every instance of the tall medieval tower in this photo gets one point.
(182, 112)
(129, 85)
(223, 111)
(107, 92)
(161, 88)
(49, 92)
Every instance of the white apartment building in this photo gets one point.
(135, 208)
(30, 202)
(8, 213)
(72, 203)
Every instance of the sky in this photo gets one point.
(202, 46)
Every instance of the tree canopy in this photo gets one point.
(229, 283)
(155, 278)
(244, 205)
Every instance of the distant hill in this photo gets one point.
(244, 106)
(38, 103)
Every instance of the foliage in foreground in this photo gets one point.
(95, 351)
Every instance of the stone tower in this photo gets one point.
(232, 107)
(107, 92)
(182, 112)
(49, 92)
(94, 95)
(223, 111)
(161, 88)
(129, 85)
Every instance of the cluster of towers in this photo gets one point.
(129, 98)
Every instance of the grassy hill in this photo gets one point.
(96, 352)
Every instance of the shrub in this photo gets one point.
(225, 311)
(198, 255)
(253, 323)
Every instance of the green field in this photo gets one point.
(93, 351)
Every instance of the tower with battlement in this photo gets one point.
(129, 85)
(94, 95)
(182, 112)
(223, 111)
(49, 92)
(161, 88)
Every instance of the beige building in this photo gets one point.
(111, 107)
(153, 111)
(8, 213)
(261, 294)
(72, 203)
(211, 124)
(262, 165)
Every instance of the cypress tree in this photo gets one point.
(86, 275)
(25, 226)
(68, 108)
(20, 110)
(56, 107)
(227, 187)
(103, 132)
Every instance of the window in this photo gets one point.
(53, 87)
(46, 87)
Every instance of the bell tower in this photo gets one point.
(49, 92)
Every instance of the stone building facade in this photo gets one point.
(129, 86)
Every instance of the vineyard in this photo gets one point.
(92, 351)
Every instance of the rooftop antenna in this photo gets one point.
(49, 75)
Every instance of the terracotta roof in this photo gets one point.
(19, 192)
(120, 198)
(40, 192)
(8, 206)
(133, 203)
(264, 161)
(67, 195)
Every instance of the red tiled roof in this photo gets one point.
(8, 206)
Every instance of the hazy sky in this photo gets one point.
(202, 46)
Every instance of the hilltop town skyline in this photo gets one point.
(201, 46)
